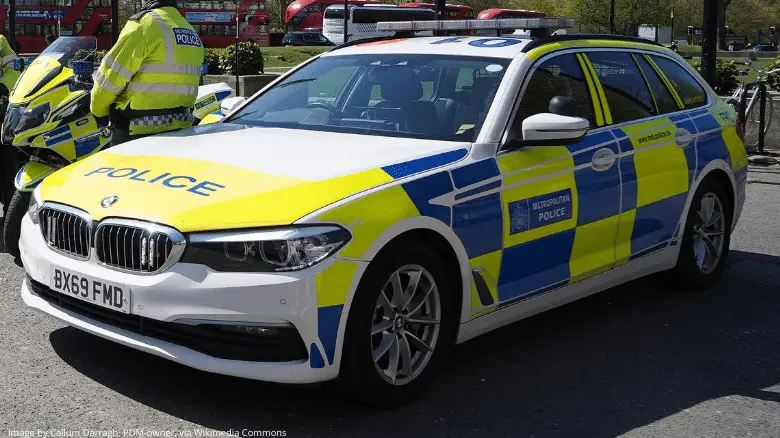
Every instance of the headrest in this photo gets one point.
(399, 86)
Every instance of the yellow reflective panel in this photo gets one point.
(333, 283)
(625, 230)
(195, 195)
(534, 172)
(565, 45)
(370, 216)
(31, 173)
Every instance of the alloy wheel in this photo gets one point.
(708, 233)
(405, 325)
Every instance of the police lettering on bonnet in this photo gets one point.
(148, 82)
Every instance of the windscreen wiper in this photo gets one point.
(297, 81)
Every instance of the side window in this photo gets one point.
(558, 76)
(623, 85)
(663, 98)
(691, 93)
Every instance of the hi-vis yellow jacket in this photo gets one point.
(7, 56)
(155, 65)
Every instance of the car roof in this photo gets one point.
(477, 46)
(504, 46)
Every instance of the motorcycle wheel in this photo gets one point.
(12, 228)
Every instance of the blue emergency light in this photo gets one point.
(19, 64)
(204, 69)
(82, 68)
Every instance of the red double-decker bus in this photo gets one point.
(37, 18)
(491, 14)
(215, 21)
(451, 12)
(303, 14)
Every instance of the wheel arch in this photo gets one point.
(720, 171)
(440, 237)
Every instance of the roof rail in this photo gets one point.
(576, 37)
(366, 40)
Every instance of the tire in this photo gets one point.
(696, 268)
(12, 228)
(370, 382)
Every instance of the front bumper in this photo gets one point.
(165, 304)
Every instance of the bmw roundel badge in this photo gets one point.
(108, 201)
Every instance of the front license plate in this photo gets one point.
(103, 293)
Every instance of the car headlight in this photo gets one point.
(272, 250)
(35, 204)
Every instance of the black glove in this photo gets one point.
(101, 121)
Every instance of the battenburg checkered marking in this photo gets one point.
(160, 120)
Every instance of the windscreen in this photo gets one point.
(50, 63)
(66, 49)
(334, 13)
(433, 97)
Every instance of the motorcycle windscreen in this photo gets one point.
(52, 67)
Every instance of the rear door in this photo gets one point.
(657, 150)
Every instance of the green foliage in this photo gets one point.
(88, 55)
(212, 59)
(726, 76)
(250, 59)
(773, 80)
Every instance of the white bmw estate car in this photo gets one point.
(389, 199)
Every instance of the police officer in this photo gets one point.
(9, 163)
(147, 83)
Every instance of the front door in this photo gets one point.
(561, 203)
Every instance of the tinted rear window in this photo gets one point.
(663, 98)
(691, 93)
(626, 91)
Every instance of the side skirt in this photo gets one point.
(650, 264)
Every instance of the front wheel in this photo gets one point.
(12, 228)
(705, 243)
(401, 324)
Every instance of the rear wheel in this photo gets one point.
(12, 228)
(401, 324)
(705, 244)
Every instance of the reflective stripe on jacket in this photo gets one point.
(154, 65)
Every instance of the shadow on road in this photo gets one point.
(601, 366)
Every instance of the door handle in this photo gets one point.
(603, 159)
(683, 137)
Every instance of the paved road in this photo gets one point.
(638, 360)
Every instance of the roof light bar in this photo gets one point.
(502, 23)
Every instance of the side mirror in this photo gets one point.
(547, 128)
(228, 105)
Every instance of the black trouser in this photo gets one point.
(9, 167)
(122, 134)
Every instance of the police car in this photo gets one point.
(388, 199)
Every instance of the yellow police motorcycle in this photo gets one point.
(8, 159)
(49, 120)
